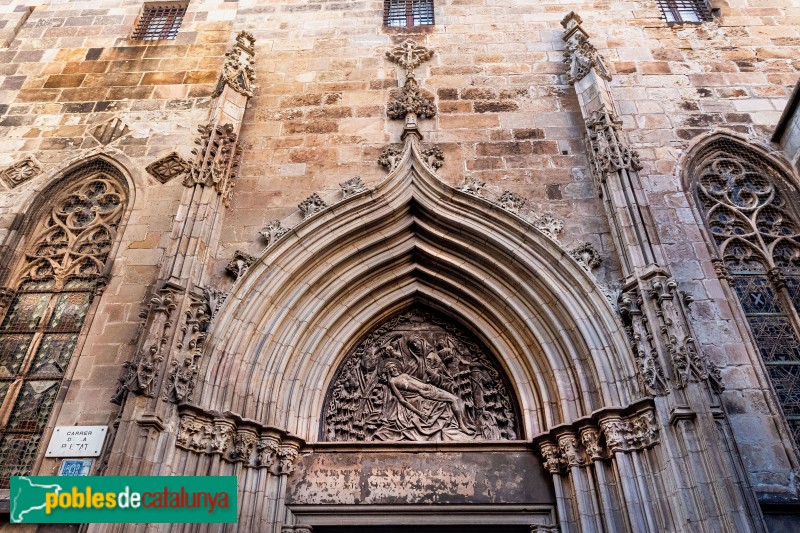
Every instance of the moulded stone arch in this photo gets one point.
(281, 334)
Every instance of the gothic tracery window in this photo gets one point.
(757, 234)
(62, 267)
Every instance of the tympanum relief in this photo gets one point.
(419, 377)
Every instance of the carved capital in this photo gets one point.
(570, 450)
(590, 438)
(552, 457)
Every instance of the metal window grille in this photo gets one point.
(685, 11)
(159, 22)
(408, 13)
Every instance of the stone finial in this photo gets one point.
(352, 187)
(237, 70)
(20, 172)
(409, 55)
(311, 205)
(411, 98)
(168, 167)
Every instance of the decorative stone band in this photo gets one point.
(236, 439)
(599, 437)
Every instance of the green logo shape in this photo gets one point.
(123, 499)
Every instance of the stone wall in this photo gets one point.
(506, 115)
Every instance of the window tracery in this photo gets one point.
(745, 207)
(62, 267)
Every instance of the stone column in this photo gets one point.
(164, 369)
(671, 368)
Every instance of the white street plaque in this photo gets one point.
(76, 441)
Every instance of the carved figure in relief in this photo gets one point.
(418, 378)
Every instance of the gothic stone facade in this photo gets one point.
(536, 264)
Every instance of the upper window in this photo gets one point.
(159, 21)
(751, 217)
(408, 13)
(683, 11)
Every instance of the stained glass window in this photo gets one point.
(756, 232)
(58, 277)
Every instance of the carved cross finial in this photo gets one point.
(409, 55)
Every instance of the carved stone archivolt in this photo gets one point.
(599, 437)
(238, 70)
(419, 377)
(20, 172)
(236, 440)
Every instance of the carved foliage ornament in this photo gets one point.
(586, 256)
(608, 149)
(511, 202)
(236, 440)
(352, 187)
(239, 264)
(168, 167)
(409, 55)
(472, 186)
(549, 225)
(390, 157)
(311, 206)
(410, 99)
(217, 159)
(433, 157)
(237, 70)
(20, 172)
(419, 377)
(581, 57)
(273, 231)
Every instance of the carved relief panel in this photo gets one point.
(419, 377)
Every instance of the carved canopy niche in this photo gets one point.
(419, 377)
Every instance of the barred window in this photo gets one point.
(159, 21)
(751, 217)
(61, 270)
(408, 13)
(683, 11)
